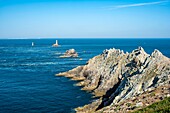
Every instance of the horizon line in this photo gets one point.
(89, 38)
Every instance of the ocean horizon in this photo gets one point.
(27, 74)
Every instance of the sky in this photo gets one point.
(84, 19)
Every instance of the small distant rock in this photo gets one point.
(70, 53)
(55, 45)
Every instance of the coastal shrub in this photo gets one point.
(158, 107)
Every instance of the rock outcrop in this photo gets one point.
(70, 53)
(115, 77)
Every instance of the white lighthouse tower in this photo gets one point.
(56, 44)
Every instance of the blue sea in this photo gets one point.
(27, 74)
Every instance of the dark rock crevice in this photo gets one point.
(105, 99)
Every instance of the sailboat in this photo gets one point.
(56, 44)
(32, 43)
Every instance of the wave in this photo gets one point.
(27, 64)
(36, 64)
(58, 53)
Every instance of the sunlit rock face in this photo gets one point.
(115, 76)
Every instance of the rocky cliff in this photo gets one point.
(115, 77)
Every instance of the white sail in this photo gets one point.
(32, 43)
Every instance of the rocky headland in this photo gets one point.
(123, 82)
(70, 53)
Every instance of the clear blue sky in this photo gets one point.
(84, 18)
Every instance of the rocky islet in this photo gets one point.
(70, 53)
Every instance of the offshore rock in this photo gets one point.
(115, 77)
(70, 53)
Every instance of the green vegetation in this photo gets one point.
(129, 104)
(117, 108)
(153, 94)
(159, 107)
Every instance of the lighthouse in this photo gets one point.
(56, 44)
